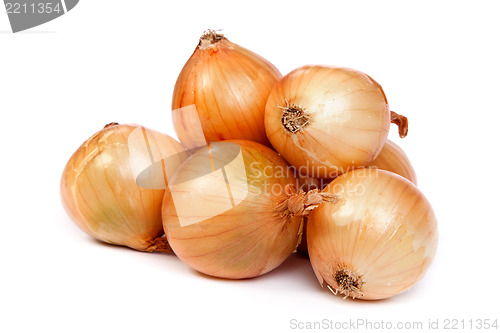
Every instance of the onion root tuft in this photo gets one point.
(294, 118)
(349, 283)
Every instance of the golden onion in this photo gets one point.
(377, 240)
(329, 120)
(100, 185)
(228, 86)
(232, 210)
(393, 158)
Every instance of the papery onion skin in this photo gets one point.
(329, 120)
(100, 194)
(379, 239)
(229, 86)
(302, 247)
(392, 158)
(308, 184)
(246, 241)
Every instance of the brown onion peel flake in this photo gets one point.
(302, 203)
(159, 245)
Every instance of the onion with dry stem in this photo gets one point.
(229, 86)
(100, 191)
(329, 120)
(377, 240)
(232, 210)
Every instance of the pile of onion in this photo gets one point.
(266, 166)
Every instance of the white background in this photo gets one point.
(118, 60)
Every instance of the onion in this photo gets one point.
(377, 240)
(232, 210)
(228, 85)
(393, 158)
(329, 120)
(99, 189)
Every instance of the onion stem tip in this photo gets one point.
(209, 38)
(402, 122)
(111, 124)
